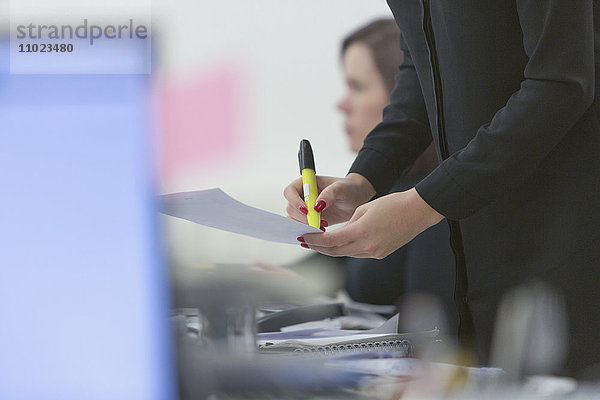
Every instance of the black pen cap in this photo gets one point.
(305, 156)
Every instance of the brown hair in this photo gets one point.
(382, 36)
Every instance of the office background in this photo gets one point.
(237, 85)
(240, 84)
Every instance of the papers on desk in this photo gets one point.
(329, 342)
(216, 209)
(375, 364)
(387, 328)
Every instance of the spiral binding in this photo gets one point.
(393, 346)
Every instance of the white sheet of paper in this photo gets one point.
(216, 209)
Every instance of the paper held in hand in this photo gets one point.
(216, 209)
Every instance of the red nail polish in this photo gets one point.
(300, 239)
(304, 245)
(324, 223)
(320, 206)
(303, 210)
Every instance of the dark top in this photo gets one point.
(506, 90)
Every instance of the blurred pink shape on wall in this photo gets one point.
(199, 120)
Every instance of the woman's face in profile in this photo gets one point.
(366, 94)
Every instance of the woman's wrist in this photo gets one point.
(428, 214)
(364, 187)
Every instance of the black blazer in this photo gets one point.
(508, 91)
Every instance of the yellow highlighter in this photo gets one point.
(309, 182)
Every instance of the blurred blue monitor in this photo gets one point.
(84, 297)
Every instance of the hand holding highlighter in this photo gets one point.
(309, 182)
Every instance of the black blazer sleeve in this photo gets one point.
(402, 135)
(557, 88)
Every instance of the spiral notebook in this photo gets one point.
(399, 344)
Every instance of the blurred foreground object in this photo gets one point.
(225, 297)
(218, 355)
(531, 331)
(83, 291)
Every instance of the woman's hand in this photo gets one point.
(338, 198)
(378, 228)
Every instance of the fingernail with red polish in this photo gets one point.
(320, 206)
(300, 239)
(303, 210)
(304, 245)
(324, 223)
